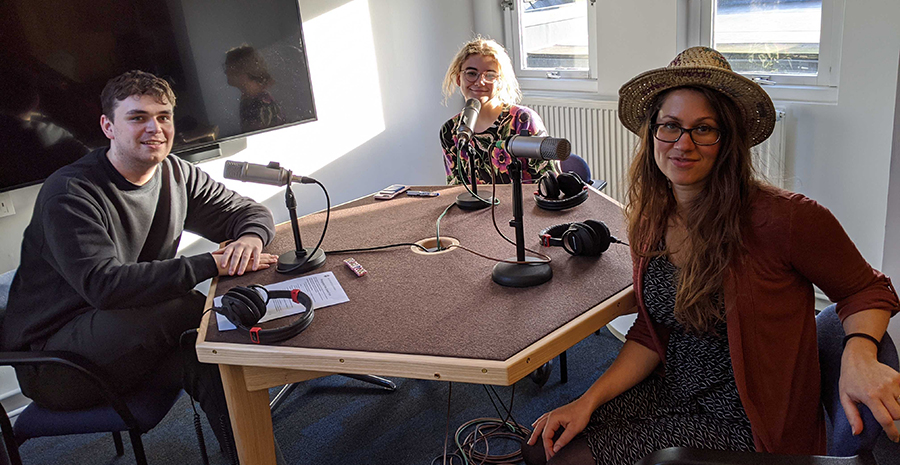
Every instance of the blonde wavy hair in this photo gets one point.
(715, 220)
(506, 87)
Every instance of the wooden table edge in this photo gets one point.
(269, 366)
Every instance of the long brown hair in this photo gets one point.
(713, 219)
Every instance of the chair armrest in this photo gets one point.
(78, 363)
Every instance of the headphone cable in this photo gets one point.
(545, 258)
(462, 178)
(437, 233)
(379, 247)
(491, 428)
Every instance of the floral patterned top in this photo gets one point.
(513, 120)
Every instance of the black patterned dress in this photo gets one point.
(695, 404)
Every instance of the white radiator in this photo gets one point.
(768, 157)
(594, 130)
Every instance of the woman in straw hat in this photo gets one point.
(724, 273)
(482, 70)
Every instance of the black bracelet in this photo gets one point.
(862, 335)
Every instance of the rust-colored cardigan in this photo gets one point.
(793, 243)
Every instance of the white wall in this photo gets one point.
(11, 227)
(841, 153)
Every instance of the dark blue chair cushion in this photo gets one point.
(578, 165)
(148, 407)
(842, 442)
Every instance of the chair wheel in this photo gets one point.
(542, 374)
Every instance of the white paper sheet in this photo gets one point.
(323, 288)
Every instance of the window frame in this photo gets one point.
(819, 88)
(563, 80)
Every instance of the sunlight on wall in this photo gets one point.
(344, 72)
(342, 63)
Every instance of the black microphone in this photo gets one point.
(272, 173)
(540, 148)
(467, 121)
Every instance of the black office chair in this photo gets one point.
(843, 447)
(136, 413)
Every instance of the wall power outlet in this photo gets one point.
(6, 205)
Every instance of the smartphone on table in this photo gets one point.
(390, 192)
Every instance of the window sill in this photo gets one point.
(564, 85)
(803, 94)
(585, 89)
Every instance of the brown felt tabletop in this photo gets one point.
(443, 304)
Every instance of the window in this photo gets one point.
(778, 43)
(551, 40)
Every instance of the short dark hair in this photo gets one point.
(134, 82)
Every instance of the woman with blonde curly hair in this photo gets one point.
(483, 71)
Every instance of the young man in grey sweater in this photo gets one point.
(99, 274)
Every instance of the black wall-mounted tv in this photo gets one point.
(237, 67)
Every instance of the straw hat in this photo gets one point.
(702, 67)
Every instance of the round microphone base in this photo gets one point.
(296, 263)
(522, 274)
(467, 201)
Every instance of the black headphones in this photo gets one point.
(560, 191)
(588, 238)
(244, 307)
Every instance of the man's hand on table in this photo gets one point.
(244, 254)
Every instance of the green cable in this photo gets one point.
(438, 232)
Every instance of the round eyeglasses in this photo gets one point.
(700, 135)
(488, 76)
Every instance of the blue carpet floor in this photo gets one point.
(336, 420)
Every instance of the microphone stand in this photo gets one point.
(469, 200)
(520, 274)
(300, 260)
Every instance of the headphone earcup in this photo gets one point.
(588, 238)
(548, 186)
(569, 183)
(601, 237)
(576, 238)
(244, 305)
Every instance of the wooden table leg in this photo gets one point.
(251, 419)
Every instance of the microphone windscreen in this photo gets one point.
(555, 149)
(469, 115)
(233, 169)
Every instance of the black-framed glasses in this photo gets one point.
(700, 135)
(488, 76)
